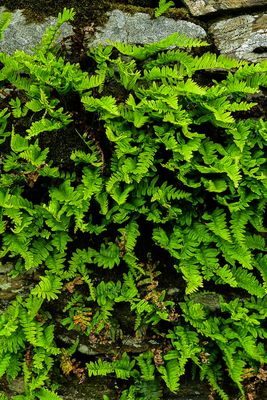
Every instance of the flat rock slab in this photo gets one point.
(141, 28)
(202, 7)
(243, 37)
(20, 35)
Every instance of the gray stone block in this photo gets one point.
(243, 37)
(202, 7)
(141, 28)
(21, 35)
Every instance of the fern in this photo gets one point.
(239, 221)
(45, 394)
(211, 375)
(52, 33)
(235, 367)
(170, 375)
(226, 276)
(44, 125)
(163, 7)
(4, 364)
(122, 368)
(192, 276)
(48, 288)
(108, 257)
(218, 224)
(146, 51)
(5, 18)
(248, 282)
(165, 185)
(129, 236)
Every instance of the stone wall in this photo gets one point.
(237, 28)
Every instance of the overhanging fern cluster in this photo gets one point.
(171, 177)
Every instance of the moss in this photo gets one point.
(175, 13)
(86, 11)
(89, 11)
(178, 13)
(131, 9)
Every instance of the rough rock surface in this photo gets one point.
(141, 28)
(23, 36)
(243, 37)
(10, 287)
(202, 7)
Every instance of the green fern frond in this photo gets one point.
(218, 224)
(235, 367)
(53, 32)
(170, 374)
(226, 276)
(5, 18)
(212, 377)
(163, 6)
(4, 363)
(48, 288)
(146, 51)
(44, 125)
(249, 282)
(239, 221)
(192, 276)
(122, 368)
(46, 394)
(108, 256)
